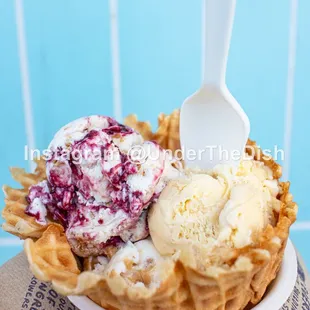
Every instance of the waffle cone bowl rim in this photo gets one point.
(283, 287)
(187, 286)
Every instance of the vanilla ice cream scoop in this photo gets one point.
(244, 214)
(251, 204)
(139, 263)
(186, 211)
(95, 185)
(226, 206)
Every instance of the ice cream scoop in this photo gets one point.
(186, 211)
(95, 185)
(224, 207)
(251, 204)
(138, 263)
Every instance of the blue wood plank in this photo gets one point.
(300, 165)
(257, 68)
(12, 127)
(161, 59)
(69, 54)
(160, 54)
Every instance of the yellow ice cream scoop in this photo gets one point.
(187, 211)
(245, 214)
(225, 207)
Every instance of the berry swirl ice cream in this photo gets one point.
(95, 187)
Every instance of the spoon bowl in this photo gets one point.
(213, 127)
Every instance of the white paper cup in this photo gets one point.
(277, 294)
(282, 287)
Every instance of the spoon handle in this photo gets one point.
(219, 16)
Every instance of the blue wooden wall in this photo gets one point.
(71, 74)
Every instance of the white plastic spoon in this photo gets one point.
(213, 127)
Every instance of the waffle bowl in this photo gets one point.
(229, 279)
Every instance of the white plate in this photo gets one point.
(277, 294)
